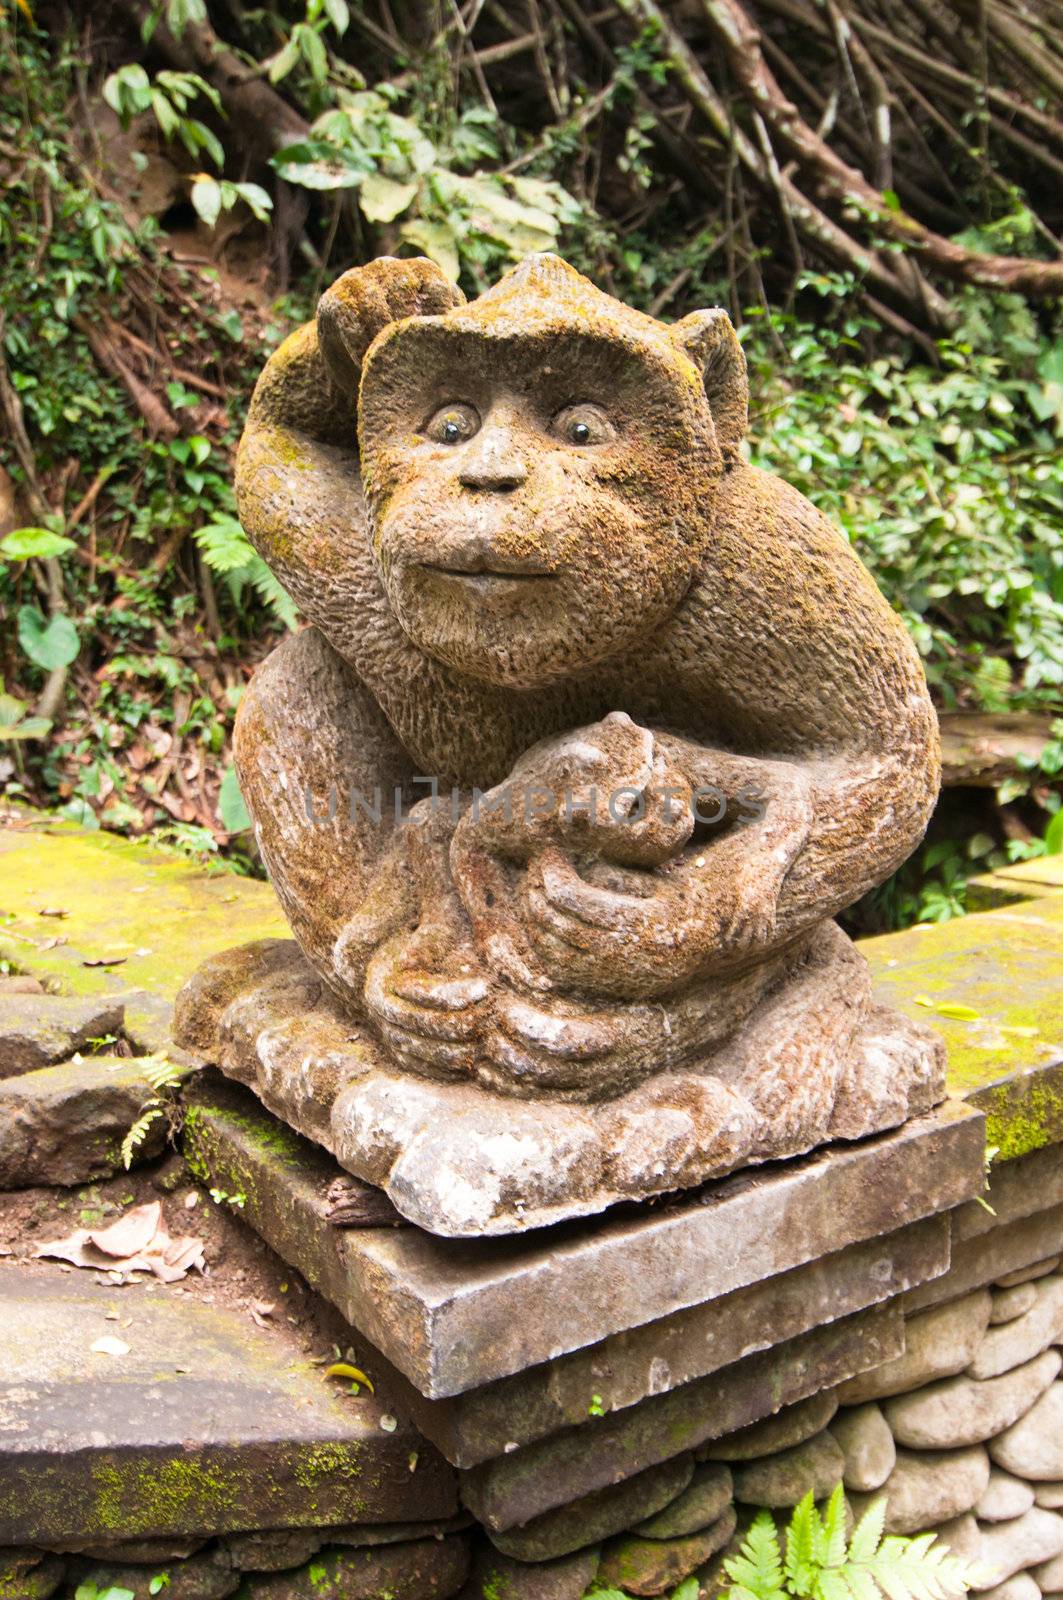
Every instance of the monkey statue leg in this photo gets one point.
(319, 768)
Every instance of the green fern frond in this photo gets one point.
(801, 1540)
(139, 1132)
(820, 1564)
(160, 1071)
(267, 587)
(867, 1534)
(833, 1546)
(757, 1568)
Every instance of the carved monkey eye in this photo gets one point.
(453, 424)
(582, 425)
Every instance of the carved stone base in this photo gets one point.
(817, 1060)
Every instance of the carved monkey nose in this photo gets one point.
(492, 461)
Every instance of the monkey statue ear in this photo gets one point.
(708, 339)
(366, 299)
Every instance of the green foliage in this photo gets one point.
(49, 643)
(15, 724)
(164, 1076)
(473, 222)
(945, 480)
(168, 96)
(820, 1564)
(34, 544)
(229, 553)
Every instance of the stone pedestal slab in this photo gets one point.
(203, 1424)
(455, 1314)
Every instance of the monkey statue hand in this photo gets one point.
(708, 909)
(605, 793)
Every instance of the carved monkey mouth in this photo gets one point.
(486, 580)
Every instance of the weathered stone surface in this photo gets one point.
(1039, 1269)
(39, 1030)
(655, 1566)
(448, 1162)
(525, 1483)
(1004, 1497)
(162, 914)
(784, 1479)
(1026, 1541)
(938, 1343)
(136, 1552)
(1025, 1336)
(1049, 1575)
(962, 1536)
(66, 1124)
(273, 1550)
(452, 1319)
(864, 1438)
(1016, 1079)
(981, 1259)
(29, 1575)
(356, 1533)
(925, 1489)
(1033, 1446)
(959, 1411)
(596, 1516)
(498, 1577)
(1011, 1303)
(93, 1445)
(1023, 1185)
(208, 1576)
(1049, 1495)
(707, 1496)
(790, 1426)
(663, 1355)
(1021, 1587)
(430, 1569)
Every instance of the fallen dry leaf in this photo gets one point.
(108, 1345)
(137, 1242)
(52, 911)
(260, 1310)
(104, 961)
(132, 1232)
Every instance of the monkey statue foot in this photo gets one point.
(816, 1059)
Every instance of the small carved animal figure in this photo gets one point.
(538, 570)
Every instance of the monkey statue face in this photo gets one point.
(540, 469)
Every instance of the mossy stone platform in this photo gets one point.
(199, 1422)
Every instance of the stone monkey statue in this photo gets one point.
(535, 563)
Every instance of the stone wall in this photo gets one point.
(962, 1433)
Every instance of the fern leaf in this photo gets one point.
(867, 1535)
(833, 1553)
(758, 1565)
(689, 1589)
(278, 599)
(801, 1541)
(139, 1132)
(160, 1071)
(831, 1585)
(862, 1585)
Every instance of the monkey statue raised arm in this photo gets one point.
(670, 725)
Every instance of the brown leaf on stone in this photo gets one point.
(53, 911)
(104, 961)
(132, 1233)
(137, 1242)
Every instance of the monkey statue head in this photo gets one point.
(539, 466)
